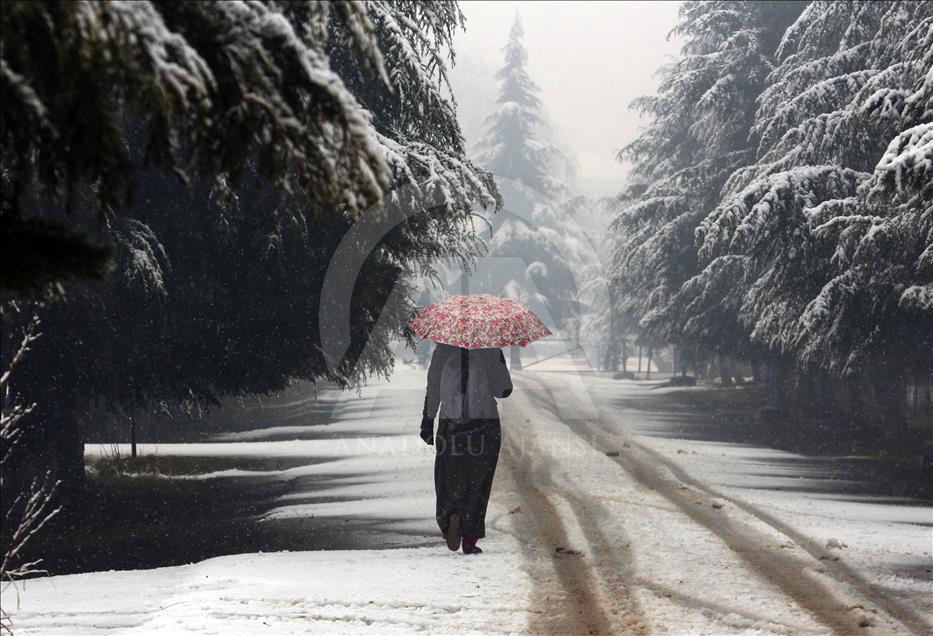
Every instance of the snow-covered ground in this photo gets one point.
(724, 538)
(887, 538)
(344, 592)
(375, 469)
(606, 517)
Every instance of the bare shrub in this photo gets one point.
(31, 508)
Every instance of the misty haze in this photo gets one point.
(390, 317)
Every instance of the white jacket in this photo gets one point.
(465, 384)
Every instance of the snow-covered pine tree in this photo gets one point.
(698, 134)
(211, 90)
(833, 220)
(434, 186)
(537, 249)
(877, 307)
(516, 146)
(212, 298)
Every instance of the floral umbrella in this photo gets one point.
(479, 322)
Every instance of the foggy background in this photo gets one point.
(573, 54)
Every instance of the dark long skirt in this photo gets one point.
(463, 470)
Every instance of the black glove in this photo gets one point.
(427, 430)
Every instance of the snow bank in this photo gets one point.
(339, 592)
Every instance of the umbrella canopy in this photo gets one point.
(479, 322)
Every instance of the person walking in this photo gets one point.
(466, 376)
(464, 384)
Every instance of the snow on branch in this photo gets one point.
(904, 173)
(220, 88)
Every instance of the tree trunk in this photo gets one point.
(915, 395)
(648, 368)
(515, 358)
(612, 354)
(132, 437)
(775, 390)
(639, 358)
(725, 370)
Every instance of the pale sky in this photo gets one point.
(590, 60)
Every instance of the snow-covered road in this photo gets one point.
(671, 548)
(604, 519)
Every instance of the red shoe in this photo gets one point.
(469, 545)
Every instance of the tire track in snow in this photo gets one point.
(838, 570)
(788, 572)
(621, 591)
(575, 603)
(613, 563)
(599, 580)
